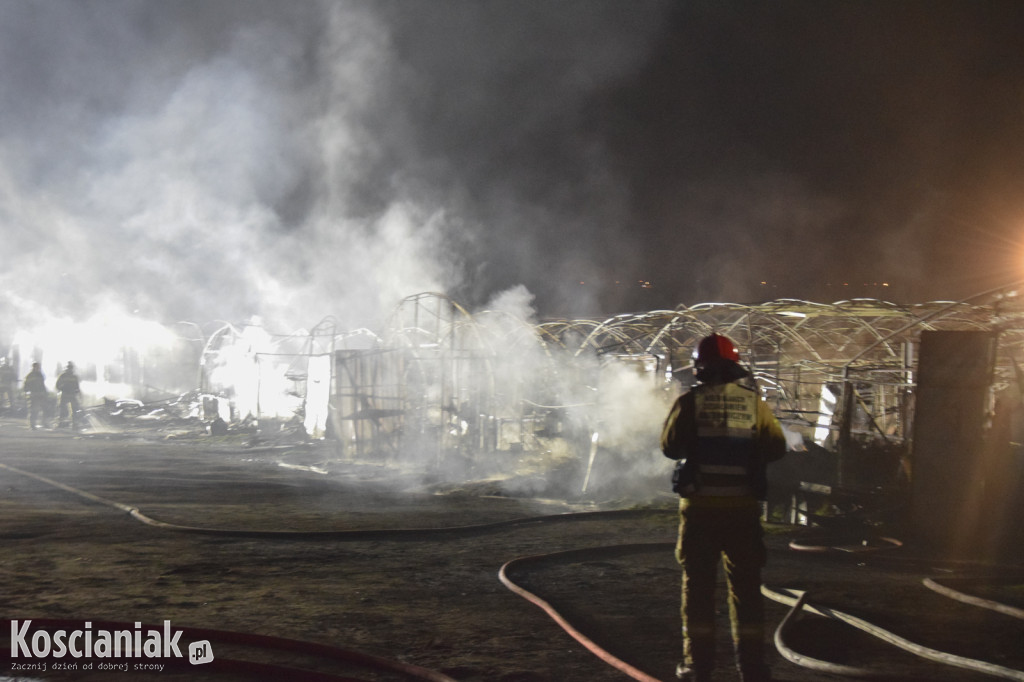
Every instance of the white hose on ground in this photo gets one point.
(815, 663)
(792, 597)
(787, 599)
(945, 591)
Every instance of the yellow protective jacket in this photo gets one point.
(728, 434)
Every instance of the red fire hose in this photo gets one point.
(794, 599)
(588, 643)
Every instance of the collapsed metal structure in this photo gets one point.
(442, 380)
(498, 396)
(437, 383)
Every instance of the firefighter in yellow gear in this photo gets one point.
(722, 436)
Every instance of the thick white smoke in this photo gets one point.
(214, 187)
(215, 162)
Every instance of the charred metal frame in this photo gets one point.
(442, 378)
(441, 382)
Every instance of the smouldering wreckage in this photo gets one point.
(478, 395)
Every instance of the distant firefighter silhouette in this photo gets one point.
(35, 387)
(8, 384)
(67, 386)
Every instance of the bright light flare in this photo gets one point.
(98, 347)
(249, 367)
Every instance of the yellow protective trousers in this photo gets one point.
(730, 531)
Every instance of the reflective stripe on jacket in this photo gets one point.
(730, 433)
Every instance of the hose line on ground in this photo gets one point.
(791, 597)
(588, 643)
(815, 663)
(864, 546)
(396, 533)
(946, 591)
(350, 534)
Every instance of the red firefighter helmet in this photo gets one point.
(715, 347)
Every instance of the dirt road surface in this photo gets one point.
(430, 598)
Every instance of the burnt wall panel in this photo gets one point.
(954, 381)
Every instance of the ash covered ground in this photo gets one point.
(431, 598)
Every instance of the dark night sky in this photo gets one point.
(218, 159)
